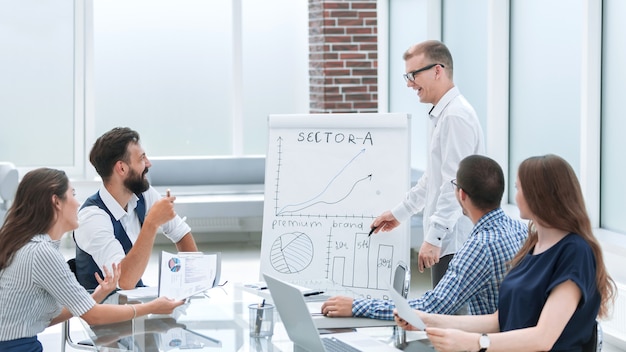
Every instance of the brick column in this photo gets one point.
(343, 56)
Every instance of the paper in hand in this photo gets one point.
(405, 311)
(184, 274)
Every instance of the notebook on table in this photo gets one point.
(302, 331)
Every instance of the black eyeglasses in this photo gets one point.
(411, 75)
(453, 182)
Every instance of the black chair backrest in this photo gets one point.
(401, 279)
(72, 264)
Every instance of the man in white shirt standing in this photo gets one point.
(119, 223)
(455, 133)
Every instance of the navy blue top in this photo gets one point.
(85, 265)
(526, 288)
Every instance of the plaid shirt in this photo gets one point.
(473, 276)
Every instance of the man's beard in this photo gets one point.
(136, 183)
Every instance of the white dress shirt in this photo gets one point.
(95, 234)
(455, 133)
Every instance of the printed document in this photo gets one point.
(184, 274)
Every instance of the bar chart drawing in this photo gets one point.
(357, 265)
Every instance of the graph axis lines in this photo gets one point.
(296, 207)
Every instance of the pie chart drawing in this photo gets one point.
(291, 253)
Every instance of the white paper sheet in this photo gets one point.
(183, 275)
(405, 311)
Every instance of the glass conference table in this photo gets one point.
(216, 320)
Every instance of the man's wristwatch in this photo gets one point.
(483, 342)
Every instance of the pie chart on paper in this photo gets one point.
(174, 265)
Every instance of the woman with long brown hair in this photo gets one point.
(37, 288)
(558, 284)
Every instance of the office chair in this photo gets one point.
(66, 338)
(401, 283)
(402, 279)
(8, 186)
(595, 342)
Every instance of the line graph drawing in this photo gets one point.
(311, 202)
(323, 197)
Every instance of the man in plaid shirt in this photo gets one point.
(474, 274)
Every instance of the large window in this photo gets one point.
(165, 69)
(37, 83)
(194, 77)
(545, 81)
(407, 26)
(275, 72)
(613, 166)
(465, 34)
(199, 77)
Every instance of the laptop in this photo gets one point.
(299, 324)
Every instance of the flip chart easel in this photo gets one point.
(327, 177)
